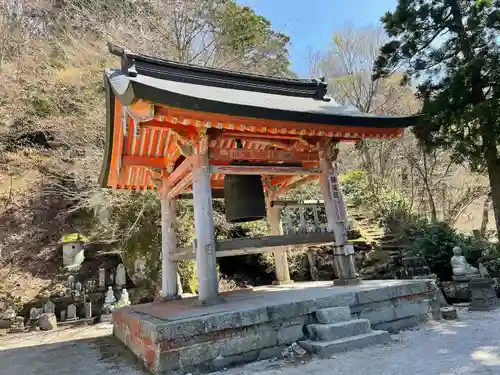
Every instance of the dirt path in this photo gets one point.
(469, 346)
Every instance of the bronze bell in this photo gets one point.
(244, 198)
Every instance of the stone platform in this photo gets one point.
(179, 337)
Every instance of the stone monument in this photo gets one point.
(34, 313)
(88, 310)
(102, 277)
(49, 307)
(461, 268)
(121, 276)
(71, 315)
(71, 282)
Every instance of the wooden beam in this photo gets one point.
(179, 172)
(181, 186)
(188, 253)
(268, 155)
(262, 170)
(298, 204)
(295, 184)
(143, 161)
(273, 241)
(257, 245)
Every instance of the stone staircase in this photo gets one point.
(385, 239)
(336, 331)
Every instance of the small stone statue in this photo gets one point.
(110, 296)
(124, 298)
(78, 286)
(460, 265)
(71, 282)
(483, 270)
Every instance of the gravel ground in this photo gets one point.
(468, 346)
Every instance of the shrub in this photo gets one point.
(435, 242)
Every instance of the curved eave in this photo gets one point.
(244, 104)
(108, 146)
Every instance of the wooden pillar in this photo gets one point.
(168, 246)
(280, 260)
(337, 221)
(206, 265)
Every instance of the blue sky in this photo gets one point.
(310, 23)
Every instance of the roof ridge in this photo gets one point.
(134, 63)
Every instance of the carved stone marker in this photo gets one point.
(71, 312)
(102, 277)
(63, 315)
(49, 307)
(78, 286)
(88, 310)
(121, 277)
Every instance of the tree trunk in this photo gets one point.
(493, 165)
(432, 204)
(485, 217)
(367, 162)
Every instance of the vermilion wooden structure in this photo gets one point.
(174, 128)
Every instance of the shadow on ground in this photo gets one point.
(67, 352)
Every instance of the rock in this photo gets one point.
(47, 321)
(17, 325)
(449, 313)
(9, 313)
(298, 350)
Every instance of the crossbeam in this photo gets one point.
(143, 161)
(298, 204)
(261, 170)
(257, 245)
(268, 155)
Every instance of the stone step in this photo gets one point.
(325, 349)
(333, 315)
(336, 331)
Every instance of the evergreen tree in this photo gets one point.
(452, 47)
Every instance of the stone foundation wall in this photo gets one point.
(213, 342)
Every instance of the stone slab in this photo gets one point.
(333, 315)
(325, 349)
(396, 326)
(336, 331)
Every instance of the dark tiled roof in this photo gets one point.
(134, 64)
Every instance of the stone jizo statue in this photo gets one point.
(124, 298)
(461, 267)
(110, 296)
